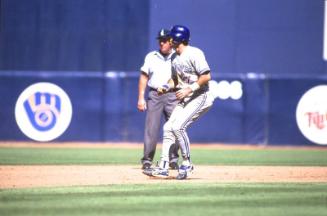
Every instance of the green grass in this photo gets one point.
(58, 156)
(90, 156)
(294, 157)
(169, 199)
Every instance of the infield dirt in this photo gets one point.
(50, 176)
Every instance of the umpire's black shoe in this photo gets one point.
(173, 165)
(148, 171)
(146, 166)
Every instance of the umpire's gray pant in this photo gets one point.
(157, 106)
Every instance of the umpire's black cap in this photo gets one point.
(163, 34)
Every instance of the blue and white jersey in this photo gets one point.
(188, 66)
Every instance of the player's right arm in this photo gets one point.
(141, 103)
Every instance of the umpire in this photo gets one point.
(155, 72)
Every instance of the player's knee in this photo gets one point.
(167, 127)
(177, 129)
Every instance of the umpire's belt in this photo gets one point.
(171, 90)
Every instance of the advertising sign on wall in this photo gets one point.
(311, 114)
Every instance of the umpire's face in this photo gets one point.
(164, 46)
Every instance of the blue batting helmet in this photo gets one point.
(180, 34)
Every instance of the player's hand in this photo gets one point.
(141, 105)
(163, 89)
(184, 92)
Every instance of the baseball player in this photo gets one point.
(155, 72)
(191, 74)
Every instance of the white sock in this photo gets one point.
(164, 164)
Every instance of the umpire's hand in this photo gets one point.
(163, 89)
(141, 105)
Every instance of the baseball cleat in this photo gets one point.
(146, 166)
(160, 172)
(184, 172)
(148, 171)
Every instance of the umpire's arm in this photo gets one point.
(141, 102)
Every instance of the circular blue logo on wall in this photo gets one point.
(43, 111)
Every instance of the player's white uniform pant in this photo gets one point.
(182, 116)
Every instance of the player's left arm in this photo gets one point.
(203, 79)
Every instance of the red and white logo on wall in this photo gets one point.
(311, 114)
